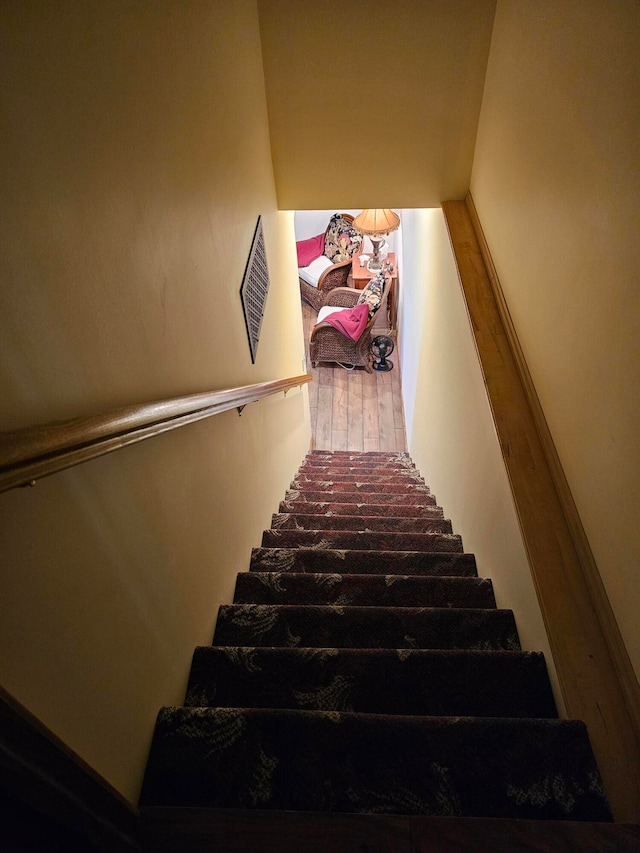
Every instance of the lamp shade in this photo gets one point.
(376, 222)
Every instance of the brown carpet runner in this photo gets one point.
(364, 667)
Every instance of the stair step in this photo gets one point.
(334, 509)
(317, 626)
(361, 496)
(337, 561)
(374, 488)
(349, 762)
(359, 455)
(364, 667)
(359, 540)
(359, 467)
(405, 475)
(362, 590)
(381, 524)
(380, 681)
(176, 830)
(334, 476)
(373, 467)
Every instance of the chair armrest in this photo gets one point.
(342, 297)
(317, 330)
(334, 276)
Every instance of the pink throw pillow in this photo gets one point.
(309, 250)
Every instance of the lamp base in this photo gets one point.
(375, 263)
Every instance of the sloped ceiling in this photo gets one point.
(371, 104)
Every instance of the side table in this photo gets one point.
(359, 276)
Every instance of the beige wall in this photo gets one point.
(450, 430)
(136, 161)
(370, 105)
(556, 184)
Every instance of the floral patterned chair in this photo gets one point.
(328, 344)
(331, 269)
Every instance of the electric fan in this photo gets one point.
(381, 347)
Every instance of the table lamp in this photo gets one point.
(376, 224)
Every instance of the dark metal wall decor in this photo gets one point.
(255, 286)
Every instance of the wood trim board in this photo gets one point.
(579, 625)
(621, 660)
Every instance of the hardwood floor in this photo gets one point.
(353, 409)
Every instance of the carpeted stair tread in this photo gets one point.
(377, 681)
(365, 668)
(353, 485)
(354, 459)
(359, 497)
(361, 455)
(391, 455)
(368, 562)
(346, 462)
(348, 762)
(317, 626)
(374, 464)
(362, 540)
(362, 590)
(357, 468)
(333, 509)
(383, 524)
(342, 477)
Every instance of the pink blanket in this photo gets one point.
(309, 250)
(351, 321)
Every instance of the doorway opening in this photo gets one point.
(352, 409)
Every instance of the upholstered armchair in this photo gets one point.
(328, 344)
(332, 268)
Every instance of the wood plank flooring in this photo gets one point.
(353, 409)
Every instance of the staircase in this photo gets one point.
(365, 668)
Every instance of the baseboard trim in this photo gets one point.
(594, 670)
(57, 788)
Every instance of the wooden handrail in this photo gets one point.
(28, 454)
